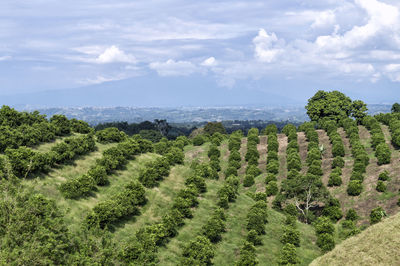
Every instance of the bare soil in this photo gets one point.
(327, 157)
(283, 142)
(303, 144)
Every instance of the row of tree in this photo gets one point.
(382, 150)
(112, 159)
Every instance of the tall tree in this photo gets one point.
(359, 110)
(396, 108)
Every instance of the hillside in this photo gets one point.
(108, 198)
(377, 245)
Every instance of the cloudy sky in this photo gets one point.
(290, 46)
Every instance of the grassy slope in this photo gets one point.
(377, 245)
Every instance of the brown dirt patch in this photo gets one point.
(327, 157)
(303, 144)
(262, 149)
(283, 142)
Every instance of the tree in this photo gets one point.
(396, 108)
(306, 190)
(288, 255)
(213, 127)
(359, 110)
(198, 252)
(376, 215)
(333, 105)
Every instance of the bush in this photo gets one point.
(270, 177)
(213, 229)
(231, 171)
(384, 176)
(257, 217)
(383, 153)
(323, 225)
(291, 209)
(338, 162)
(254, 238)
(198, 182)
(354, 188)
(315, 168)
(214, 151)
(272, 188)
(325, 242)
(110, 134)
(198, 252)
(338, 149)
(272, 129)
(248, 255)
(78, 187)
(352, 215)
(376, 215)
(248, 180)
(380, 186)
(198, 140)
(273, 167)
(291, 236)
(334, 180)
(99, 175)
(253, 170)
(288, 255)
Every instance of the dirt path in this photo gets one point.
(242, 151)
(262, 149)
(327, 157)
(301, 139)
(283, 142)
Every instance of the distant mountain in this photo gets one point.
(151, 91)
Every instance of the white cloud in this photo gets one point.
(323, 19)
(114, 55)
(266, 46)
(174, 68)
(209, 62)
(99, 79)
(4, 58)
(382, 17)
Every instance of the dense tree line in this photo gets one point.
(30, 129)
(361, 158)
(113, 159)
(252, 156)
(26, 162)
(272, 167)
(382, 150)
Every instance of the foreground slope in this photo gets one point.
(377, 245)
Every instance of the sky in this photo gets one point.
(289, 47)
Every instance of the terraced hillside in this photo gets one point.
(263, 198)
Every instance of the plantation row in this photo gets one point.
(30, 129)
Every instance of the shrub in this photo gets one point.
(231, 171)
(175, 156)
(338, 149)
(334, 180)
(272, 129)
(260, 196)
(380, 186)
(270, 177)
(110, 134)
(271, 188)
(213, 229)
(354, 188)
(352, 215)
(315, 168)
(254, 238)
(198, 252)
(253, 170)
(235, 156)
(248, 180)
(198, 140)
(323, 225)
(288, 255)
(384, 176)
(338, 162)
(357, 176)
(247, 255)
(78, 187)
(291, 220)
(376, 215)
(291, 235)
(273, 167)
(325, 242)
(333, 212)
(198, 182)
(383, 153)
(214, 151)
(257, 217)
(291, 209)
(99, 175)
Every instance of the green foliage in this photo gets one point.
(333, 105)
(198, 140)
(253, 170)
(384, 176)
(323, 225)
(326, 242)
(272, 129)
(61, 124)
(248, 180)
(352, 215)
(254, 238)
(198, 252)
(291, 210)
(396, 108)
(338, 162)
(288, 255)
(334, 180)
(214, 228)
(214, 151)
(359, 110)
(273, 167)
(290, 235)
(257, 217)
(272, 188)
(78, 187)
(383, 153)
(381, 186)
(376, 215)
(110, 134)
(214, 127)
(354, 188)
(247, 255)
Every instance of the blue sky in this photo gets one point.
(352, 45)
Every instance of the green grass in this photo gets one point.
(46, 147)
